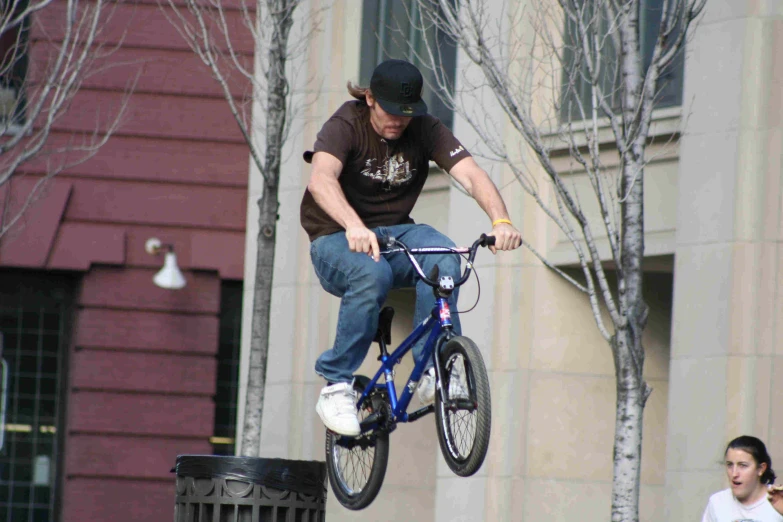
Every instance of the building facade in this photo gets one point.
(110, 376)
(712, 281)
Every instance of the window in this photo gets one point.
(35, 312)
(388, 33)
(227, 368)
(14, 38)
(669, 83)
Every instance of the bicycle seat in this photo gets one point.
(384, 325)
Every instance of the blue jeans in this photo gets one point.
(363, 285)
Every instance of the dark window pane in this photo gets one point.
(19, 513)
(35, 356)
(28, 363)
(13, 66)
(51, 321)
(30, 320)
(388, 33)
(576, 98)
(8, 320)
(48, 386)
(49, 364)
(41, 495)
(227, 375)
(41, 515)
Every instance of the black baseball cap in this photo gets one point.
(396, 85)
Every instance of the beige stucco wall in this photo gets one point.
(726, 331)
(713, 200)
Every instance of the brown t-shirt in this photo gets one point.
(381, 179)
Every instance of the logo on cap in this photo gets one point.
(396, 85)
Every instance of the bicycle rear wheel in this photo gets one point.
(356, 466)
(464, 417)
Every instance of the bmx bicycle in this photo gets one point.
(356, 466)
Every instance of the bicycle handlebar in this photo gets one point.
(483, 241)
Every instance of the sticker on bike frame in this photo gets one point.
(445, 313)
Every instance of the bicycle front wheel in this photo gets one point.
(356, 466)
(464, 413)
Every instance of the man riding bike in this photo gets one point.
(369, 164)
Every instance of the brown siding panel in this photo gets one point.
(29, 241)
(208, 252)
(79, 245)
(134, 330)
(138, 25)
(196, 249)
(153, 115)
(144, 203)
(112, 500)
(141, 377)
(137, 414)
(128, 457)
(178, 72)
(160, 161)
(143, 372)
(116, 288)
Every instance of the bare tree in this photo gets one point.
(262, 109)
(47, 50)
(563, 70)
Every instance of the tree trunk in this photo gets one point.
(627, 346)
(629, 417)
(282, 12)
(259, 340)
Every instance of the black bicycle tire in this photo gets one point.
(342, 491)
(465, 465)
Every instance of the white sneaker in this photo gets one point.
(426, 389)
(337, 408)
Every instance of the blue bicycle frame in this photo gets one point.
(439, 326)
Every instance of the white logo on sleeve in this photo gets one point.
(456, 151)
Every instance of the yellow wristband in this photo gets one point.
(498, 221)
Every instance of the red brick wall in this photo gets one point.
(142, 364)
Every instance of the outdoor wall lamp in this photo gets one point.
(169, 276)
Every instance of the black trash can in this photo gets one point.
(212, 488)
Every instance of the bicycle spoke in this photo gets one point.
(355, 466)
(460, 423)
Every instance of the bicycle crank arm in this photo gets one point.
(371, 422)
(420, 413)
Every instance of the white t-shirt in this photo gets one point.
(723, 507)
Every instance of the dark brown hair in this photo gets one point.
(360, 93)
(756, 449)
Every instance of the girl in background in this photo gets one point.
(751, 496)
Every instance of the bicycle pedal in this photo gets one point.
(371, 419)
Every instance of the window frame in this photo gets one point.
(670, 82)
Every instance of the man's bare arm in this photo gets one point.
(478, 184)
(325, 187)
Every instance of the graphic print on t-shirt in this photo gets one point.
(393, 172)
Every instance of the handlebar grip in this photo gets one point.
(487, 241)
